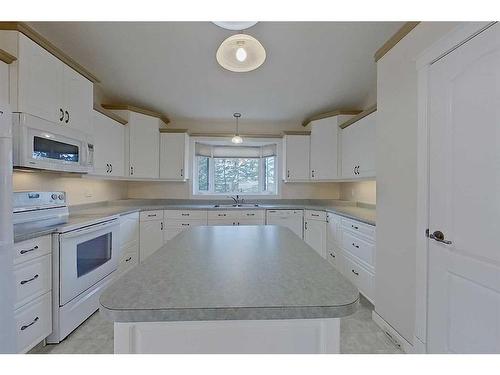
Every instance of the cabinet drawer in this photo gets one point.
(184, 223)
(180, 214)
(151, 215)
(251, 214)
(219, 215)
(33, 278)
(335, 257)
(362, 249)
(359, 276)
(315, 215)
(129, 260)
(33, 323)
(33, 248)
(357, 227)
(236, 214)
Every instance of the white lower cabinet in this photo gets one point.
(237, 217)
(360, 276)
(315, 231)
(150, 233)
(129, 242)
(177, 221)
(33, 280)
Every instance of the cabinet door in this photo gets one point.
(315, 235)
(366, 145)
(151, 237)
(324, 146)
(144, 146)
(297, 150)
(173, 156)
(78, 98)
(39, 82)
(333, 225)
(349, 152)
(109, 146)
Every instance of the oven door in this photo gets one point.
(86, 256)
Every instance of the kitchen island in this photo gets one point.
(253, 289)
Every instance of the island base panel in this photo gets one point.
(292, 336)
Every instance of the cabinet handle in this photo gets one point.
(354, 226)
(185, 224)
(182, 172)
(67, 117)
(288, 173)
(107, 168)
(354, 272)
(221, 214)
(28, 250)
(131, 171)
(62, 114)
(250, 214)
(128, 259)
(332, 255)
(151, 215)
(305, 225)
(356, 246)
(111, 165)
(312, 173)
(161, 225)
(29, 280)
(29, 325)
(316, 215)
(184, 214)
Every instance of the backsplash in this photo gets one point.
(359, 191)
(78, 190)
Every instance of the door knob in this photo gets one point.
(439, 237)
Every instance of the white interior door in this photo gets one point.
(464, 125)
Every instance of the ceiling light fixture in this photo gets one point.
(235, 25)
(241, 53)
(237, 139)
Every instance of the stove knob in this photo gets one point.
(54, 196)
(61, 196)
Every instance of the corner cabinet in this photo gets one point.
(43, 86)
(143, 141)
(358, 148)
(174, 156)
(109, 146)
(296, 150)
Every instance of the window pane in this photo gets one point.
(236, 175)
(269, 174)
(203, 182)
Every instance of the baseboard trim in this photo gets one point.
(392, 334)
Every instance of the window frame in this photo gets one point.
(201, 194)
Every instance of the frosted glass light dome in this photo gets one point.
(241, 53)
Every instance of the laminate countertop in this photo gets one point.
(230, 273)
(79, 214)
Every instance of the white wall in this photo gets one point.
(397, 177)
(79, 190)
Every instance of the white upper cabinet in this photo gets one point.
(174, 156)
(358, 148)
(47, 88)
(78, 99)
(39, 82)
(324, 149)
(143, 139)
(109, 146)
(296, 149)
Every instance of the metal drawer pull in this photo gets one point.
(29, 325)
(354, 226)
(185, 225)
(62, 114)
(331, 254)
(315, 215)
(28, 250)
(356, 246)
(221, 214)
(29, 280)
(184, 214)
(354, 272)
(250, 214)
(151, 215)
(128, 259)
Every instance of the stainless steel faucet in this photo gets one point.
(237, 199)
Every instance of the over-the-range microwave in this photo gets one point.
(41, 144)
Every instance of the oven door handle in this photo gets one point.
(91, 228)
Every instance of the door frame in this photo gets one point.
(454, 39)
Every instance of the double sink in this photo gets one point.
(234, 205)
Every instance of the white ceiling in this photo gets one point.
(171, 67)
